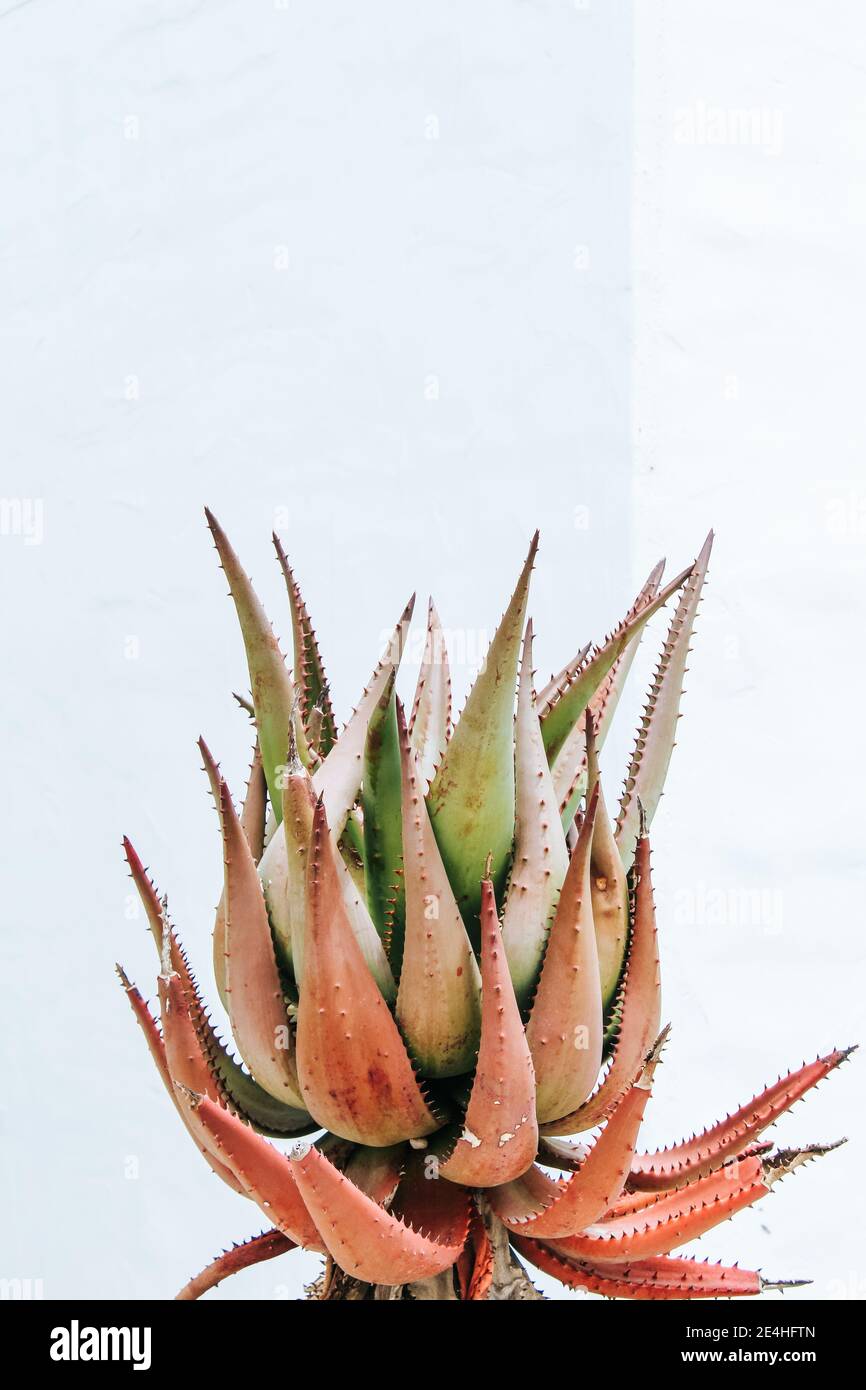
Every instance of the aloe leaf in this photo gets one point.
(240, 1090)
(253, 986)
(439, 1000)
(253, 823)
(656, 735)
(356, 1076)
(638, 1007)
(549, 694)
(283, 872)
(275, 896)
(604, 702)
(309, 672)
(263, 1172)
(366, 1241)
(364, 929)
(564, 1030)
(376, 1171)
(569, 766)
(471, 799)
(270, 681)
(561, 711)
(430, 723)
(338, 780)
(499, 1138)
(383, 834)
(288, 882)
(352, 849)
(234, 1086)
(608, 885)
(242, 1255)
(156, 1046)
(540, 852)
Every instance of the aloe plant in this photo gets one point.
(439, 959)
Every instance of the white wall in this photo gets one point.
(747, 413)
(239, 270)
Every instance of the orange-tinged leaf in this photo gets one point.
(653, 1279)
(673, 1220)
(356, 1076)
(157, 1050)
(499, 1138)
(265, 1174)
(366, 1241)
(376, 1171)
(426, 1202)
(186, 1062)
(251, 1252)
(254, 992)
(253, 821)
(702, 1154)
(640, 1004)
(476, 1262)
(564, 1031)
(548, 1208)
(156, 912)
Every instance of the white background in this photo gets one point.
(408, 281)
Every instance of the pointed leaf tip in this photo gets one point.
(656, 735)
(270, 681)
(311, 682)
(471, 798)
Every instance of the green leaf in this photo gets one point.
(569, 766)
(270, 681)
(561, 710)
(471, 799)
(383, 835)
(338, 779)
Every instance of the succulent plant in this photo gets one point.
(438, 955)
